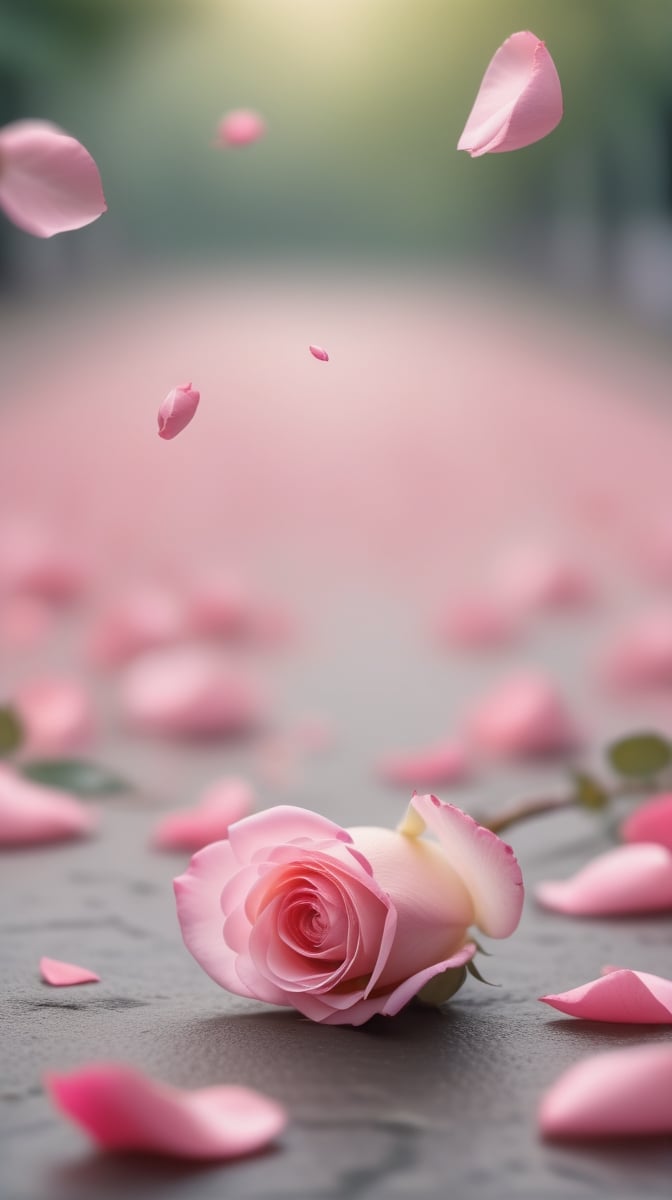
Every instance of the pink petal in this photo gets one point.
(486, 865)
(220, 605)
(519, 100)
(144, 618)
(318, 352)
(223, 802)
(445, 763)
(63, 974)
(31, 814)
(177, 410)
(278, 826)
(57, 715)
(623, 1092)
(240, 127)
(122, 1109)
(651, 822)
(641, 656)
(537, 577)
(188, 692)
(523, 717)
(476, 623)
(629, 879)
(48, 182)
(631, 997)
(36, 562)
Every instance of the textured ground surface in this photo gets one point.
(432, 1103)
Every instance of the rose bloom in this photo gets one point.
(343, 924)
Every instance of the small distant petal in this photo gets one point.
(477, 624)
(57, 715)
(630, 997)
(625, 1092)
(519, 100)
(190, 693)
(122, 1109)
(177, 410)
(318, 352)
(223, 802)
(36, 562)
(48, 182)
(524, 717)
(629, 879)
(650, 822)
(441, 764)
(641, 655)
(143, 618)
(535, 577)
(31, 814)
(63, 974)
(240, 127)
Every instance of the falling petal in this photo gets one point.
(630, 997)
(241, 127)
(122, 1109)
(441, 764)
(57, 715)
(223, 802)
(63, 974)
(519, 100)
(625, 1092)
(650, 822)
(629, 879)
(188, 692)
(48, 182)
(31, 815)
(523, 717)
(176, 410)
(318, 352)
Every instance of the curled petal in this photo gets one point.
(487, 866)
(282, 825)
(519, 100)
(223, 802)
(319, 353)
(188, 693)
(48, 182)
(623, 1092)
(240, 127)
(445, 763)
(629, 879)
(57, 715)
(122, 1109)
(177, 410)
(523, 717)
(631, 997)
(63, 974)
(650, 822)
(31, 814)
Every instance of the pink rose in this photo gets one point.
(343, 924)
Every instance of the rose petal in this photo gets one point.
(477, 623)
(188, 692)
(537, 577)
(223, 802)
(519, 100)
(445, 763)
(641, 655)
(220, 605)
(36, 562)
(57, 715)
(623, 1092)
(176, 410)
(524, 716)
(483, 861)
(31, 814)
(650, 822)
(282, 825)
(145, 617)
(122, 1109)
(631, 997)
(318, 352)
(63, 974)
(629, 879)
(240, 127)
(48, 182)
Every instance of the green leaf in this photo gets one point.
(589, 792)
(11, 730)
(473, 970)
(442, 987)
(640, 756)
(75, 775)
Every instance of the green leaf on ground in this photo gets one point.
(640, 756)
(76, 775)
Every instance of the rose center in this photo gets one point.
(306, 923)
